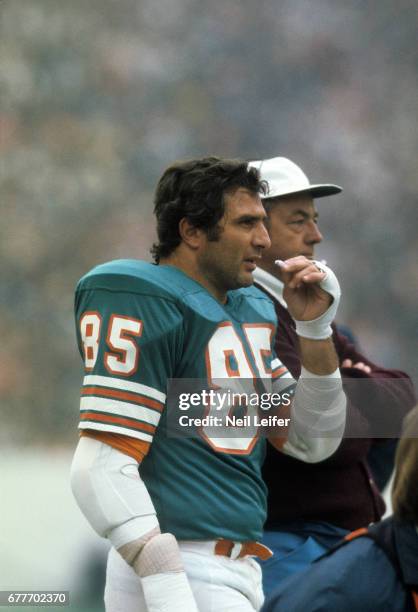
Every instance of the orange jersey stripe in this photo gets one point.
(125, 444)
(115, 420)
(123, 395)
(279, 372)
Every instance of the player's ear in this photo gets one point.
(190, 234)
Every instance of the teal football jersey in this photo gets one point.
(139, 325)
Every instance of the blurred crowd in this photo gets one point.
(97, 98)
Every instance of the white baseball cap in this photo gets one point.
(285, 178)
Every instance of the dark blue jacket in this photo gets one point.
(357, 577)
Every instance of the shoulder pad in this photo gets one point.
(136, 276)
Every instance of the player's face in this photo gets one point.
(293, 229)
(229, 262)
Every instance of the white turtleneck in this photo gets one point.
(270, 283)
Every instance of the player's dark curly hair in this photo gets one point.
(195, 190)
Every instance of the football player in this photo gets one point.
(184, 515)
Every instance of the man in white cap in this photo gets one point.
(311, 506)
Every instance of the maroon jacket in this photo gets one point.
(340, 489)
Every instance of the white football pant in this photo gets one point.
(219, 584)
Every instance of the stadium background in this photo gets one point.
(95, 100)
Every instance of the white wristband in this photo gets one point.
(320, 328)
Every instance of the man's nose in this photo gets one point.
(261, 237)
(313, 236)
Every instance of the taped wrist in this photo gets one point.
(168, 593)
(320, 328)
(155, 553)
(131, 550)
(163, 579)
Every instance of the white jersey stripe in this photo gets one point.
(283, 386)
(125, 385)
(286, 374)
(276, 363)
(119, 429)
(121, 409)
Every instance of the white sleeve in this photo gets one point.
(115, 501)
(110, 493)
(317, 418)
